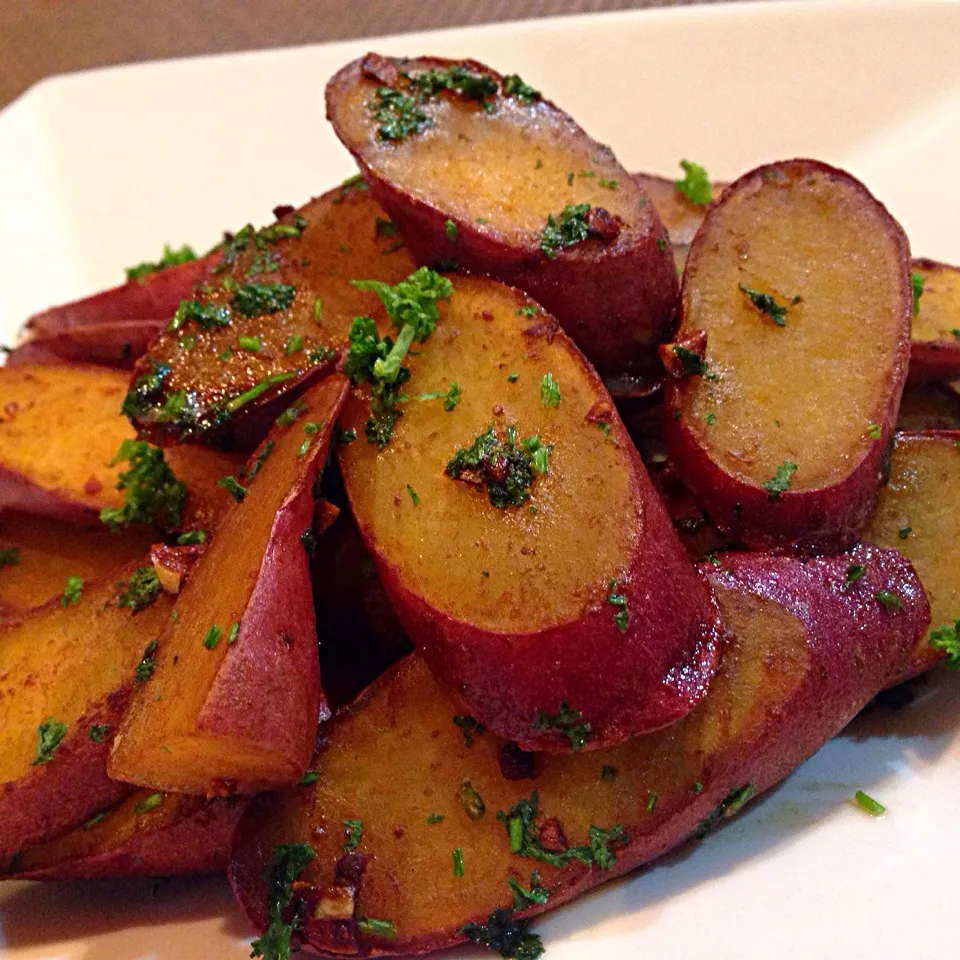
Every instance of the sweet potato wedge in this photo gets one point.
(274, 317)
(791, 357)
(113, 343)
(235, 699)
(918, 514)
(146, 834)
(402, 786)
(483, 558)
(50, 467)
(37, 554)
(483, 171)
(928, 406)
(66, 672)
(155, 296)
(935, 336)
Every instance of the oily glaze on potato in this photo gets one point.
(203, 375)
(113, 343)
(791, 356)
(71, 663)
(48, 551)
(935, 337)
(918, 514)
(146, 834)
(805, 654)
(552, 605)
(60, 428)
(476, 181)
(234, 701)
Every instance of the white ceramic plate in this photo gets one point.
(98, 170)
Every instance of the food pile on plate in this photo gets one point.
(473, 534)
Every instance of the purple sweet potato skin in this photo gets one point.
(616, 300)
(111, 343)
(934, 360)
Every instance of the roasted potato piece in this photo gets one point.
(50, 467)
(37, 554)
(155, 296)
(273, 318)
(476, 513)
(483, 171)
(147, 834)
(918, 515)
(929, 406)
(66, 672)
(405, 789)
(935, 336)
(113, 343)
(235, 699)
(791, 357)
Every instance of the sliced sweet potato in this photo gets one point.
(935, 336)
(402, 789)
(66, 672)
(275, 315)
(147, 834)
(791, 356)
(155, 296)
(479, 169)
(235, 699)
(37, 554)
(482, 556)
(929, 406)
(918, 514)
(113, 343)
(51, 466)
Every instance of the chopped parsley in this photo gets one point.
(146, 389)
(385, 228)
(766, 303)
(311, 776)
(888, 600)
(473, 86)
(311, 430)
(854, 572)
(549, 391)
(354, 832)
(170, 258)
(567, 229)
(257, 299)
(97, 732)
(917, 281)
(946, 639)
(293, 345)
(376, 928)
(146, 666)
(50, 735)
(539, 453)
(140, 590)
(356, 183)
(505, 468)
(691, 363)
(513, 377)
(468, 727)
(260, 460)
(250, 344)
(72, 592)
(619, 602)
(523, 897)
(234, 631)
(149, 803)
(868, 805)
(233, 487)
(451, 230)
(289, 861)
(904, 532)
(411, 306)
(565, 721)
(241, 399)
(727, 808)
(695, 184)
(415, 500)
(435, 818)
(458, 862)
(528, 311)
(153, 493)
(513, 86)
(9, 557)
(780, 481)
(397, 114)
(506, 935)
(207, 316)
(652, 799)
(873, 431)
(608, 184)
(450, 396)
(212, 637)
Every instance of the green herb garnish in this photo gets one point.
(766, 303)
(780, 481)
(50, 734)
(97, 732)
(257, 299)
(212, 637)
(289, 861)
(888, 600)
(619, 602)
(450, 397)
(505, 468)
(917, 281)
(153, 493)
(565, 721)
(513, 86)
(170, 258)
(397, 114)
(9, 557)
(549, 391)
(72, 592)
(207, 316)
(946, 639)
(146, 666)
(233, 487)
(506, 936)
(469, 727)
(149, 803)
(868, 804)
(567, 229)
(695, 184)
(354, 831)
(854, 572)
(458, 862)
(140, 590)
(376, 928)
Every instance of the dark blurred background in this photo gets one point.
(39, 38)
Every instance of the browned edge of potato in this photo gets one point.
(402, 796)
(499, 592)
(235, 698)
(475, 181)
(791, 357)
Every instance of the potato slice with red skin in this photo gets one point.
(918, 514)
(476, 186)
(112, 343)
(50, 467)
(73, 664)
(805, 653)
(935, 337)
(234, 701)
(154, 297)
(219, 374)
(49, 551)
(147, 834)
(781, 431)
(928, 406)
(503, 602)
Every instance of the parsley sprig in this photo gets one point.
(289, 861)
(152, 493)
(695, 184)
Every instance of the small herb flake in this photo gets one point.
(567, 229)
(458, 862)
(888, 600)
(450, 228)
(765, 303)
(946, 639)
(695, 184)
(149, 803)
(854, 572)
(868, 805)
(549, 391)
(618, 601)
(212, 637)
(50, 734)
(413, 496)
(435, 818)
(371, 927)
(72, 592)
(469, 727)
(233, 487)
(873, 431)
(780, 481)
(354, 832)
(97, 732)
(917, 281)
(567, 722)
